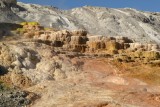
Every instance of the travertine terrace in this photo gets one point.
(63, 68)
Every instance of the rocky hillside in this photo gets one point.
(138, 25)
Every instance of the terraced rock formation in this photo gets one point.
(83, 57)
(123, 48)
(63, 68)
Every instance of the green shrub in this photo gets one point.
(20, 30)
(33, 23)
(3, 87)
(23, 23)
(29, 23)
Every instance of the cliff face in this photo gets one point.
(6, 11)
(9, 1)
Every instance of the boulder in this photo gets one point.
(151, 55)
(57, 43)
(112, 45)
(5, 55)
(43, 37)
(145, 47)
(78, 40)
(145, 55)
(155, 47)
(79, 33)
(97, 38)
(95, 45)
(59, 74)
(135, 46)
(63, 36)
(121, 39)
(78, 48)
(29, 35)
(155, 63)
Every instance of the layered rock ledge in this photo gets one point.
(121, 48)
(74, 69)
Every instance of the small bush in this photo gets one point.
(23, 23)
(29, 23)
(33, 23)
(20, 31)
(3, 87)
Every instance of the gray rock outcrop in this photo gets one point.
(9, 1)
(138, 25)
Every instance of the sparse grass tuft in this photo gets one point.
(3, 87)
(20, 30)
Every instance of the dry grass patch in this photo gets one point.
(147, 73)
